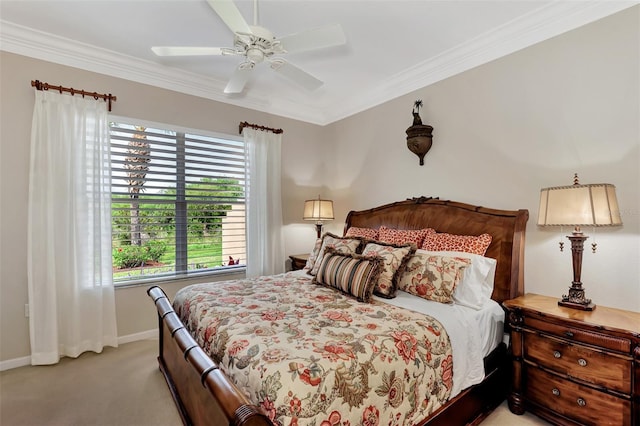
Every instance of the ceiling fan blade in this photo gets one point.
(186, 51)
(317, 38)
(239, 78)
(229, 13)
(294, 73)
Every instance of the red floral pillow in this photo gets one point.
(403, 236)
(369, 233)
(450, 242)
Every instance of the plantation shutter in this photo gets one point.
(178, 202)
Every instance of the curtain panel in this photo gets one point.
(265, 243)
(70, 284)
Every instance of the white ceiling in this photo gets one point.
(393, 46)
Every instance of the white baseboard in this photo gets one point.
(15, 363)
(144, 335)
(26, 360)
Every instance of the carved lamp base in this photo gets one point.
(576, 299)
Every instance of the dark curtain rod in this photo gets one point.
(244, 124)
(46, 86)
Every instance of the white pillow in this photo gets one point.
(476, 285)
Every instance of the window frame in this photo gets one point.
(189, 275)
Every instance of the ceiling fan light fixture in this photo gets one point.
(255, 55)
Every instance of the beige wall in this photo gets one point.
(502, 131)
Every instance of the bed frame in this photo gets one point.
(205, 396)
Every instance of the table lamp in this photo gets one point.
(319, 211)
(578, 205)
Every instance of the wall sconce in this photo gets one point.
(419, 137)
(578, 205)
(318, 210)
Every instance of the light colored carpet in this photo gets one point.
(120, 387)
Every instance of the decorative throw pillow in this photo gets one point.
(433, 277)
(450, 242)
(342, 245)
(403, 236)
(311, 260)
(394, 260)
(476, 286)
(368, 233)
(352, 274)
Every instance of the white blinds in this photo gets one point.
(179, 194)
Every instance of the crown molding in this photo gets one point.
(545, 22)
(52, 48)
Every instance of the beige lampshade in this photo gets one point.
(318, 210)
(579, 205)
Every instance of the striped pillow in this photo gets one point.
(350, 273)
(342, 245)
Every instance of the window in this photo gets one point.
(178, 202)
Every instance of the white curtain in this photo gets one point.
(265, 244)
(71, 295)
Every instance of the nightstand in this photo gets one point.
(298, 261)
(574, 367)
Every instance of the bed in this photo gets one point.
(206, 395)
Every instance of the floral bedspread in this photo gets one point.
(309, 355)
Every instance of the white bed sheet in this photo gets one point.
(473, 333)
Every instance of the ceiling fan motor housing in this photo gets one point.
(257, 45)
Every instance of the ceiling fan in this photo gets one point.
(257, 44)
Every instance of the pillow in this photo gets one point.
(476, 285)
(394, 260)
(342, 245)
(311, 260)
(450, 242)
(352, 274)
(433, 277)
(403, 236)
(368, 233)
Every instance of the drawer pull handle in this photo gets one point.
(556, 354)
(556, 392)
(581, 402)
(568, 333)
(582, 362)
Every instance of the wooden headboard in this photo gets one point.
(507, 228)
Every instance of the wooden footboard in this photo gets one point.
(202, 393)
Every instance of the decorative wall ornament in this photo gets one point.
(419, 137)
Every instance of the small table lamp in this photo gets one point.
(318, 210)
(578, 205)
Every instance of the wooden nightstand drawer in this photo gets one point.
(581, 403)
(578, 361)
(578, 335)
